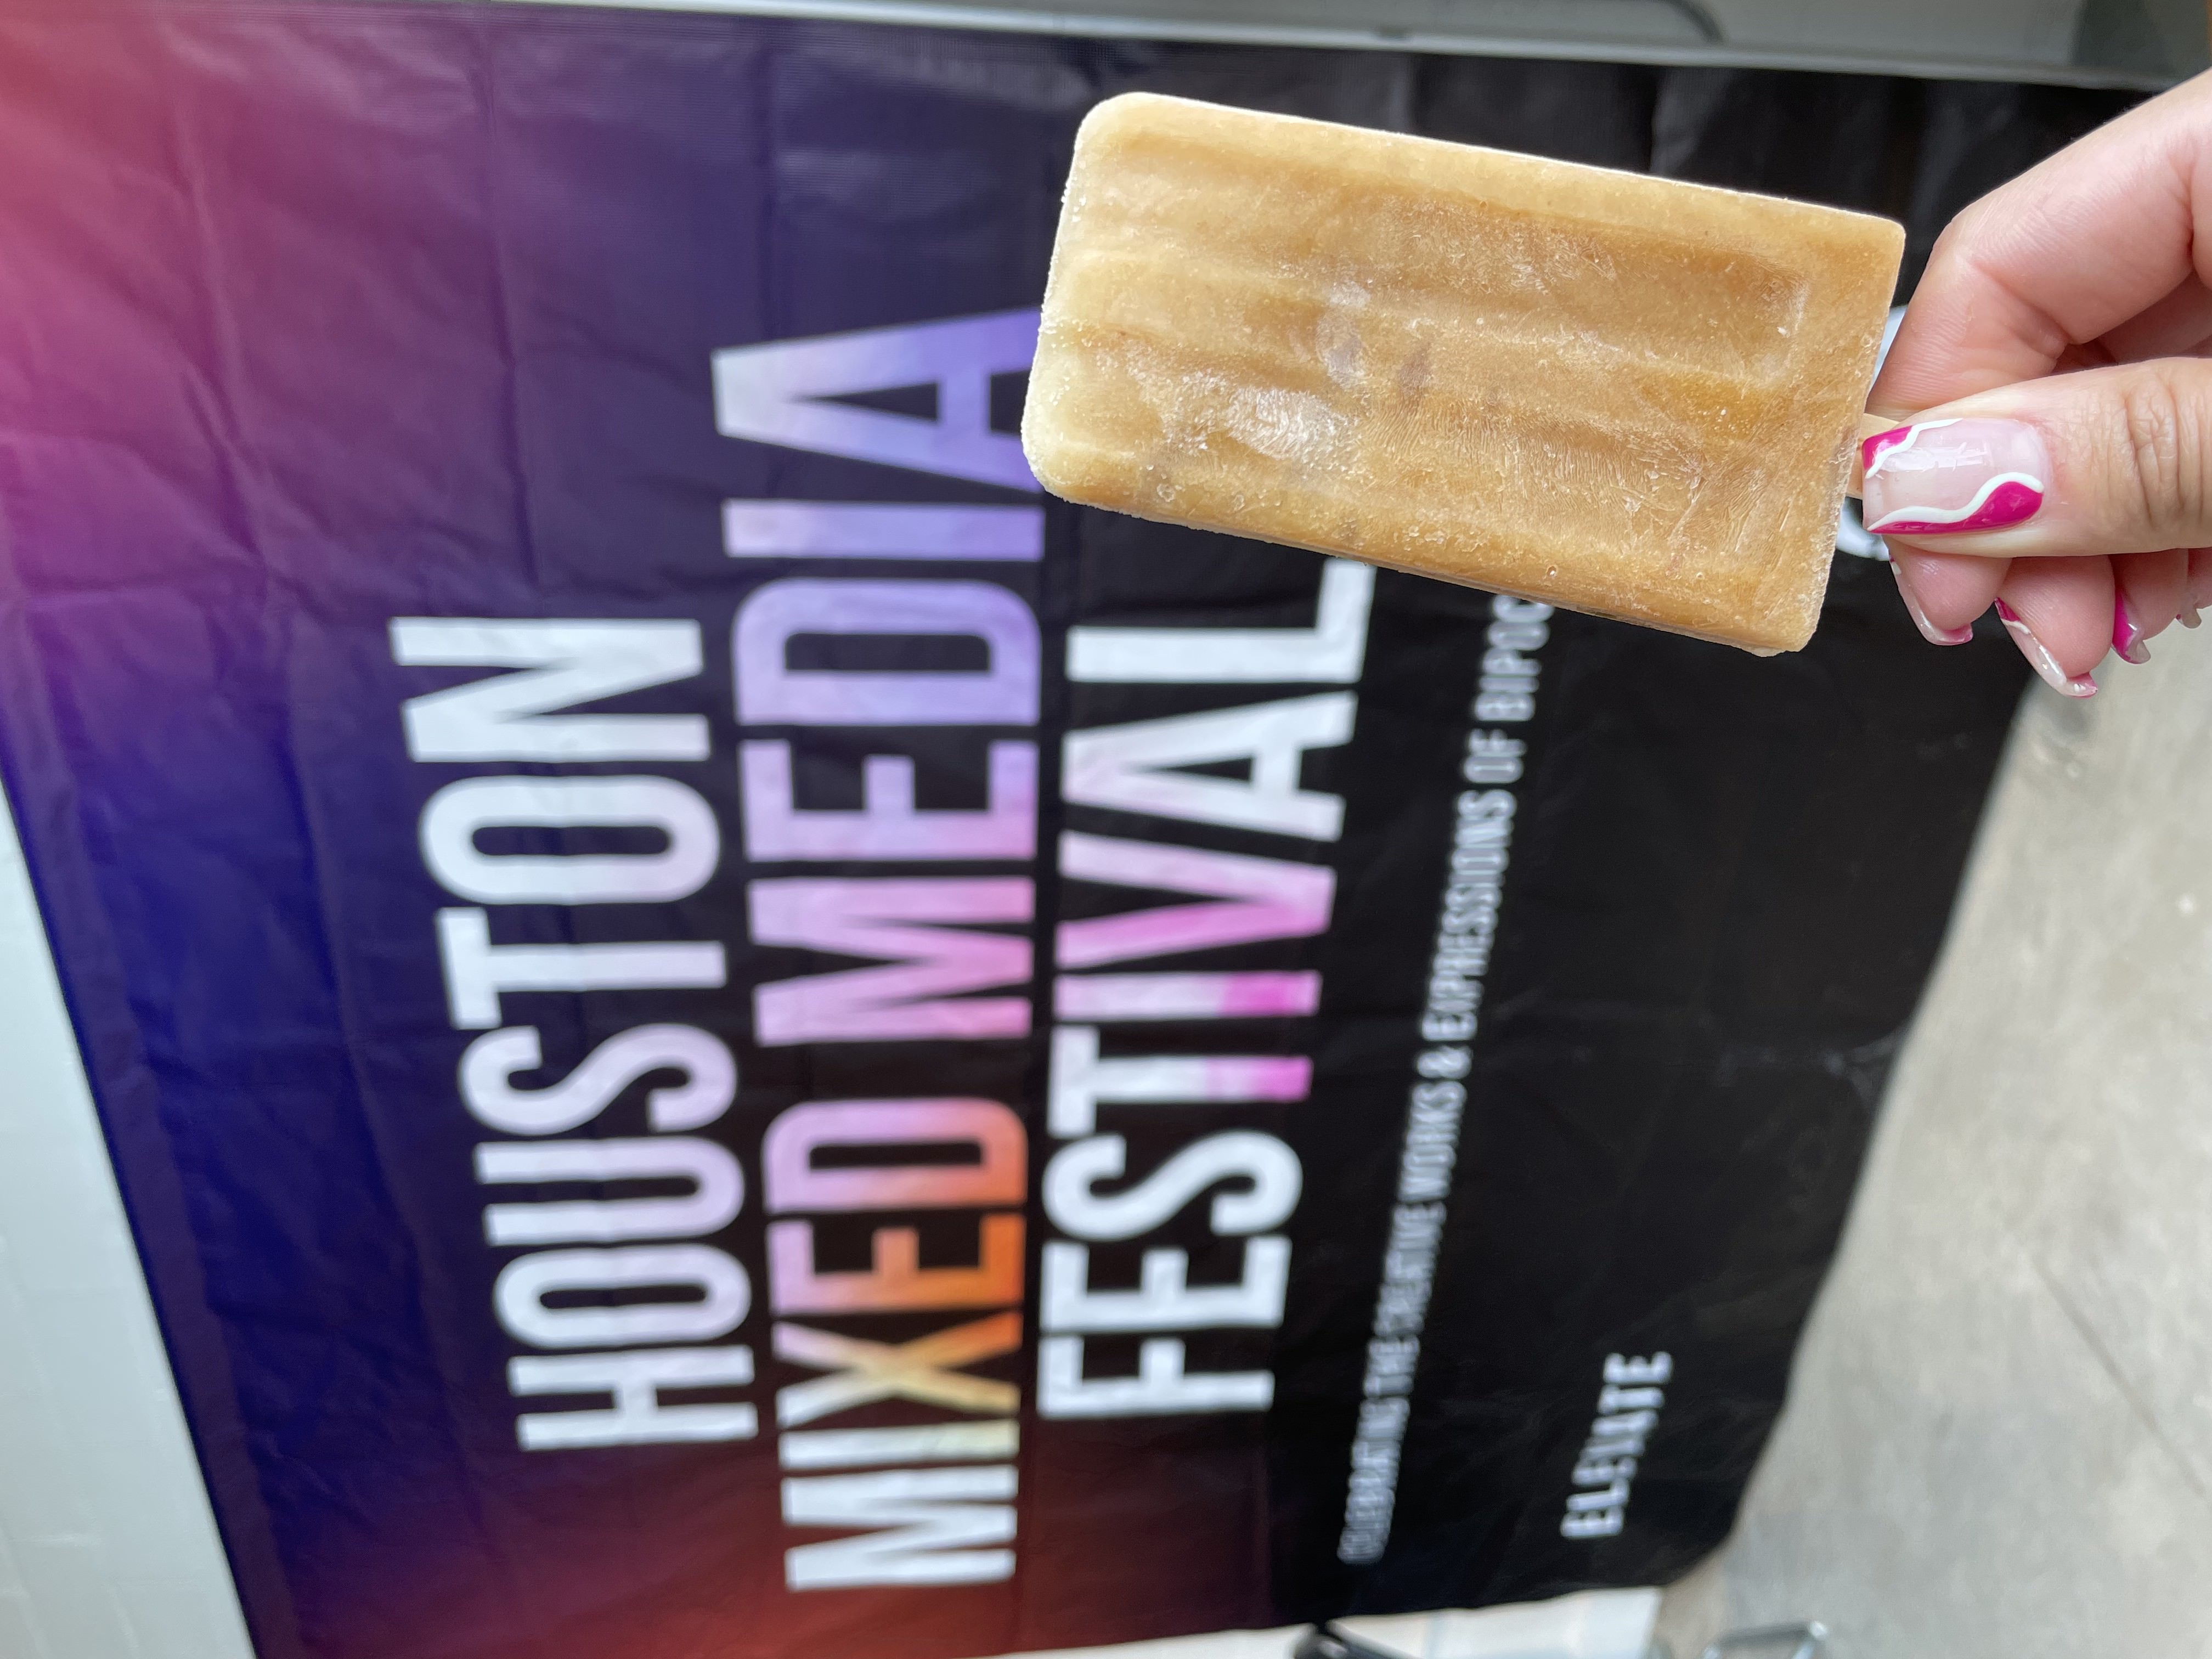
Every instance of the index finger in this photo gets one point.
(2076, 245)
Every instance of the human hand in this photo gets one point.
(2053, 369)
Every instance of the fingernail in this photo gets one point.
(2189, 617)
(1929, 631)
(2039, 658)
(1941, 477)
(2200, 593)
(2127, 638)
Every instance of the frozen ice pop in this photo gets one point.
(1619, 394)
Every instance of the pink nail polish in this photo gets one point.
(1929, 631)
(1945, 477)
(2039, 658)
(2128, 639)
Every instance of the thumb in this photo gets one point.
(2101, 460)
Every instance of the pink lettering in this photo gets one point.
(1082, 1079)
(919, 996)
(999, 1176)
(888, 825)
(770, 692)
(1251, 899)
(894, 1278)
(1096, 997)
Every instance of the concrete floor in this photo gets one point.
(1999, 1440)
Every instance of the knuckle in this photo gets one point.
(2165, 432)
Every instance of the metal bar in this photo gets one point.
(945, 14)
(1808, 1640)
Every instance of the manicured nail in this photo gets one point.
(2039, 658)
(1929, 631)
(2128, 639)
(1941, 477)
(2189, 617)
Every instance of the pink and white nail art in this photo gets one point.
(1943, 477)
(2039, 658)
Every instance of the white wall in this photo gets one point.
(107, 1547)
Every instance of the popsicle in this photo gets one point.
(1617, 394)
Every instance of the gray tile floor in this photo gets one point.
(1999, 1438)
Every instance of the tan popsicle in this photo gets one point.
(1619, 394)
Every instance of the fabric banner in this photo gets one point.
(725, 1032)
